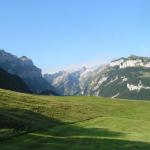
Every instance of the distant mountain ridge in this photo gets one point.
(73, 82)
(127, 78)
(25, 69)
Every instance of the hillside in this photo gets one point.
(127, 78)
(43, 122)
(73, 82)
(25, 69)
(12, 82)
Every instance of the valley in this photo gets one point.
(74, 75)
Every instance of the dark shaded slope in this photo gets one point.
(12, 82)
(26, 70)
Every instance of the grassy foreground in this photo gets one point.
(30, 122)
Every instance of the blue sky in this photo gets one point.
(62, 33)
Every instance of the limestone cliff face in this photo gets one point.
(127, 78)
(24, 68)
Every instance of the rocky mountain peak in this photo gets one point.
(2, 52)
(26, 60)
(131, 61)
(83, 68)
(25, 69)
(133, 57)
(123, 78)
(6, 57)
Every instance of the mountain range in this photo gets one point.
(127, 78)
(24, 68)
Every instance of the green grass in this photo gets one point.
(31, 122)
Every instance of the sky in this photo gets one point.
(58, 34)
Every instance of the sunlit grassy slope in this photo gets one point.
(30, 122)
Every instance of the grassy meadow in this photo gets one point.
(33, 122)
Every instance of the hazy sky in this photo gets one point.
(63, 33)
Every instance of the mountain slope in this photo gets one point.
(61, 123)
(72, 82)
(25, 69)
(12, 82)
(127, 78)
(124, 78)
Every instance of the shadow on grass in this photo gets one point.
(14, 122)
(82, 143)
(21, 119)
(73, 130)
(62, 136)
